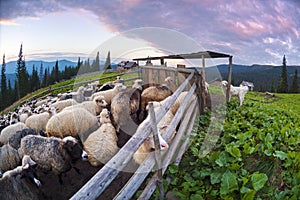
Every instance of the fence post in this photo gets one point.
(229, 78)
(157, 151)
(198, 90)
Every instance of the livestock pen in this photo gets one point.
(157, 162)
(101, 180)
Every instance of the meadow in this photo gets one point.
(256, 154)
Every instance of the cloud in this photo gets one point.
(251, 27)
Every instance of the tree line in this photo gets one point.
(26, 83)
(275, 80)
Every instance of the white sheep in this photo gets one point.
(235, 91)
(78, 95)
(24, 116)
(109, 94)
(146, 147)
(94, 107)
(14, 186)
(101, 145)
(77, 122)
(60, 105)
(39, 121)
(51, 153)
(9, 158)
(7, 131)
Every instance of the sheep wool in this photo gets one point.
(9, 158)
(60, 105)
(51, 154)
(94, 107)
(101, 145)
(77, 122)
(38, 121)
(109, 94)
(7, 131)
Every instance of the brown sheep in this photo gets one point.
(155, 93)
(125, 107)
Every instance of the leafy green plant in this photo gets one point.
(257, 156)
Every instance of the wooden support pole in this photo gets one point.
(229, 78)
(198, 92)
(202, 84)
(157, 151)
(162, 61)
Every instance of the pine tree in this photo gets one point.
(41, 75)
(34, 80)
(295, 86)
(4, 93)
(22, 76)
(79, 63)
(96, 63)
(283, 82)
(55, 72)
(107, 64)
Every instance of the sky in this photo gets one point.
(252, 31)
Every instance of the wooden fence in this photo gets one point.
(185, 117)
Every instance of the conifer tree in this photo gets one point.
(79, 63)
(283, 82)
(107, 64)
(96, 63)
(34, 80)
(4, 93)
(41, 74)
(22, 76)
(295, 86)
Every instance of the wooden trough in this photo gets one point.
(184, 118)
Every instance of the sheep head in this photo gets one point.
(104, 116)
(138, 84)
(71, 149)
(151, 145)
(99, 100)
(120, 87)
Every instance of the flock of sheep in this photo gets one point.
(91, 124)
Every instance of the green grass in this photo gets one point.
(287, 102)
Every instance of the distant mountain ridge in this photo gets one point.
(12, 65)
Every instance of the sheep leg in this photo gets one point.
(77, 170)
(60, 179)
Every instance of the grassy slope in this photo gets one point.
(287, 102)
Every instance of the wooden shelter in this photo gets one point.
(198, 55)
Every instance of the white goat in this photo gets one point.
(235, 91)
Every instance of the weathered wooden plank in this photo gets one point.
(149, 189)
(99, 182)
(157, 152)
(137, 179)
